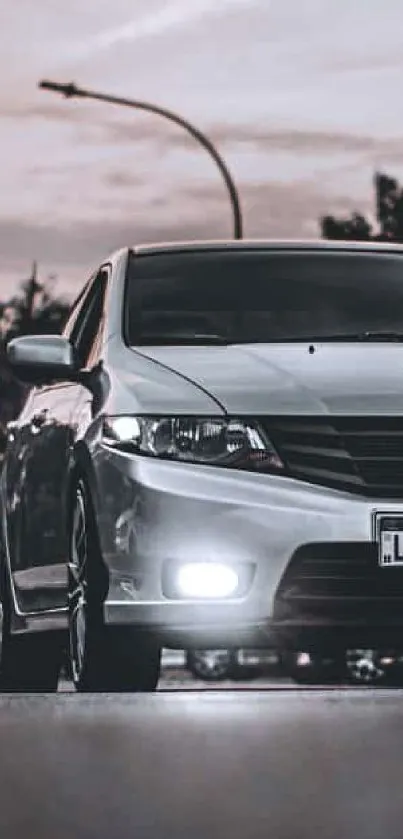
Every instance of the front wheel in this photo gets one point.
(110, 659)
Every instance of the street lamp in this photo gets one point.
(71, 91)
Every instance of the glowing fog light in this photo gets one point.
(207, 579)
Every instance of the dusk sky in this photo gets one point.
(303, 98)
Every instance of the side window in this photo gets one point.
(77, 309)
(87, 332)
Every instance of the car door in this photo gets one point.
(37, 474)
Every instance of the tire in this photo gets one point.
(30, 662)
(107, 659)
(211, 665)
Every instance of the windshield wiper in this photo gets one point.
(370, 335)
(181, 338)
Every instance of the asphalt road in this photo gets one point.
(287, 764)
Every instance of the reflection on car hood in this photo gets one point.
(287, 378)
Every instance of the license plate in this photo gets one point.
(390, 541)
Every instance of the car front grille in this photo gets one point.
(342, 580)
(363, 455)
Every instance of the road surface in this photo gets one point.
(286, 764)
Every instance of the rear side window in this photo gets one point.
(86, 334)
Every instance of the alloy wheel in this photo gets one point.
(78, 586)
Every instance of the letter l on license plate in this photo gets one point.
(390, 541)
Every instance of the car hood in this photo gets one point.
(289, 378)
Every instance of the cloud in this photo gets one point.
(272, 210)
(120, 179)
(261, 139)
(361, 63)
(169, 17)
(54, 112)
(115, 179)
(94, 129)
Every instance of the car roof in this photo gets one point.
(265, 244)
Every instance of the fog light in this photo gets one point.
(207, 579)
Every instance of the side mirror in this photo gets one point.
(39, 359)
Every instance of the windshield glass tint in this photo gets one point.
(263, 296)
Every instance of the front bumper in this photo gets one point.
(152, 513)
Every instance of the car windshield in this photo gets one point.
(262, 296)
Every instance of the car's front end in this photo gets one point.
(236, 558)
(250, 482)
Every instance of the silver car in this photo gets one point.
(211, 456)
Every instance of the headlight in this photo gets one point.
(237, 443)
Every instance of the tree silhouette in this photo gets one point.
(33, 309)
(389, 215)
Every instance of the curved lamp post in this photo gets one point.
(71, 91)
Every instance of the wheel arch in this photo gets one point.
(81, 469)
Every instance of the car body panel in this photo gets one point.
(287, 244)
(176, 512)
(287, 378)
(34, 502)
(145, 385)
